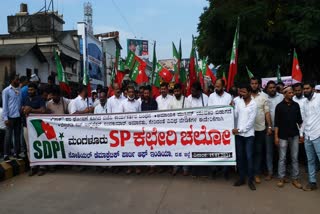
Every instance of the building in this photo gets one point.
(29, 46)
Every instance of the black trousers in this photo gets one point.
(13, 132)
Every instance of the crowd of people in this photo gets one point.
(274, 127)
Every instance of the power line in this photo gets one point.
(124, 18)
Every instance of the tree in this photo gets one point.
(270, 30)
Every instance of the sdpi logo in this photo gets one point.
(47, 149)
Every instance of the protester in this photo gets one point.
(288, 120)
(114, 102)
(245, 113)
(149, 104)
(101, 108)
(164, 99)
(58, 104)
(81, 104)
(274, 98)
(36, 105)
(260, 130)
(220, 98)
(198, 99)
(279, 87)
(130, 105)
(317, 88)
(178, 102)
(140, 94)
(311, 129)
(11, 101)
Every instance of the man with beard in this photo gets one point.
(288, 120)
(274, 98)
(198, 99)
(114, 102)
(164, 99)
(311, 129)
(263, 117)
(148, 104)
(32, 104)
(245, 114)
(178, 102)
(219, 97)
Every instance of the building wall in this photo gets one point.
(31, 61)
(6, 67)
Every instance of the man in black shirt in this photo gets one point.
(148, 103)
(288, 120)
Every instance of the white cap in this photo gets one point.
(34, 78)
(317, 87)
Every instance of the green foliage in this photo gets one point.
(269, 31)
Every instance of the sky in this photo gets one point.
(163, 21)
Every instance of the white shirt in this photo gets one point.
(301, 102)
(99, 109)
(177, 104)
(311, 123)
(217, 100)
(273, 102)
(236, 100)
(163, 102)
(245, 116)
(197, 102)
(79, 104)
(130, 106)
(114, 104)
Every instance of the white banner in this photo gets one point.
(287, 80)
(201, 136)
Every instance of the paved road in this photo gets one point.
(72, 192)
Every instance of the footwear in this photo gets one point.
(310, 187)
(41, 172)
(161, 170)
(257, 179)
(296, 184)
(251, 185)
(238, 183)
(268, 177)
(186, 173)
(280, 183)
(6, 158)
(174, 172)
(32, 172)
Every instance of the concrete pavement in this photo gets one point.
(68, 191)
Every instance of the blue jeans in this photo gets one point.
(244, 149)
(269, 152)
(313, 151)
(293, 142)
(259, 142)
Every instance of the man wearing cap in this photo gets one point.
(288, 120)
(317, 88)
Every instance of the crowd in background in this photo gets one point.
(274, 127)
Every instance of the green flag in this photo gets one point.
(130, 61)
(278, 74)
(250, 74)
